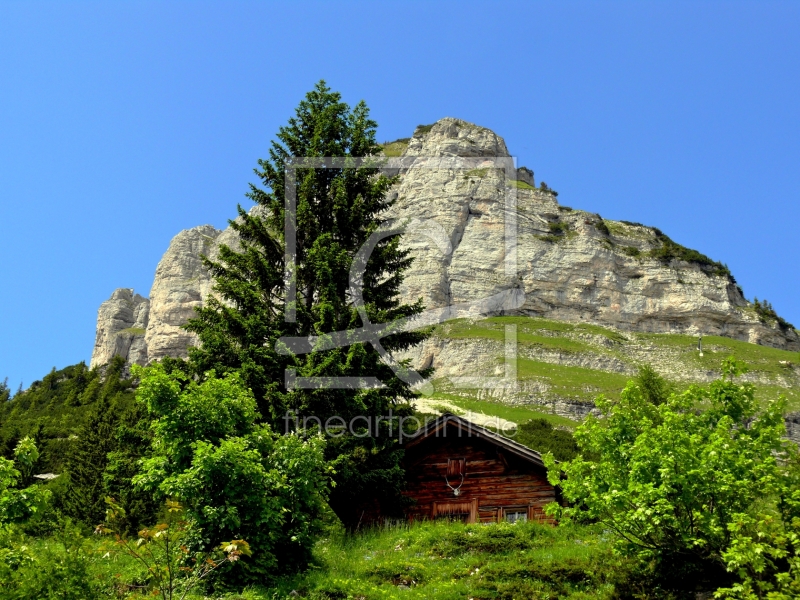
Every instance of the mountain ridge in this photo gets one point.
(573, 266)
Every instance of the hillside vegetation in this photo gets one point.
(560, 361)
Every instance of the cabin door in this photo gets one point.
(463, 510)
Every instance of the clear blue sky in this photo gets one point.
(122, 123)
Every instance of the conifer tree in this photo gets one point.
(84, 499)
(337, 210)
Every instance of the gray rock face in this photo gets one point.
(181, 283)
(121, 325)
(571, 265)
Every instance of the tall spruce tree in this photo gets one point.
(84, 498)
(337, 211)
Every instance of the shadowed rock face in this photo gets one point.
(571, 265)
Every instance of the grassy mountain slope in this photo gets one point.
(577, 362)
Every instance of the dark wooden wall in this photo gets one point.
(495, 481)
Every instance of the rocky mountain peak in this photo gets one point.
(454, 137)
(571, 264)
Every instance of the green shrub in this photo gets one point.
(766, 313)
(550, 238)
(236, 479)
(540, 435)
(56, 568)
(632, 251)
(672, 477)
(423, 129)
(602, 227)
(544, 188)
(669, 251)
(559, 228)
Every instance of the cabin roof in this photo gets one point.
(433, 429)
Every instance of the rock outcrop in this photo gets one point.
(181, 283)
(571, 264)
(121, 326)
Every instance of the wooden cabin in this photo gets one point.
(459, 470)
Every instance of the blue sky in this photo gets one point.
(122, 123)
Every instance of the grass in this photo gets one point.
(132, 331)
(525, 325)
(577, 383)
(516, 414)
(449, 561)
(668, 351)
(494, 329)
(758, 358)
(476, 173)
(520, 185)
(396, 148)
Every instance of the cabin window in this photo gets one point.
(516, 515)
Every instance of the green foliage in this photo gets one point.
(519, 184)
(653, 388)
(338, 210)
(602, 227)
(86, 463)
(57, 568)
(132, 444)
(172, 570)
(19, 503)
(479, 173)
(669, 251)
(559, 228)
(540, 435)
(767, 314)
(5, 393)
(54, 409)
(395, 148)
(237, 479)
(25, 455)
(544, 188)
(632, 251)
(671, 479)
(557, 232)
(423, 129)
(453, 561)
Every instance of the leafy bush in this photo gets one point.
(559, 228)
(543, 187)
(56, 568)
(18, 503)
(672, 480)
(171, 568)
(631, 251)
(669, 251)
(423, 129)
(237, 480)
(767, 314)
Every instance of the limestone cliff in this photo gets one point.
(572, 265)
(121, 325)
